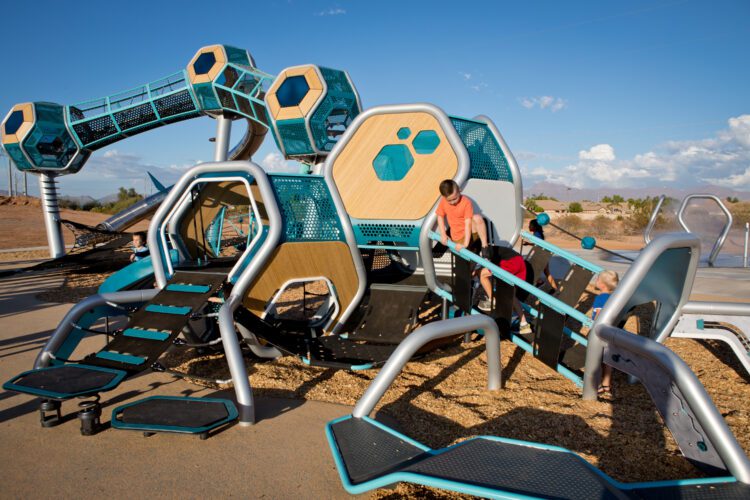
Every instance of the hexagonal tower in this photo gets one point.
(310, 107)
(51, 140)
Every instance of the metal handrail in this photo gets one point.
(724, 232)
(411, 344)
(652, 220)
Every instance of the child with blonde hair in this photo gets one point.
(606, 283)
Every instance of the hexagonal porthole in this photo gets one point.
(14, 122)
(292, 91)
(393, 162)
(403, 133)
(426, 142)
(204, 63)
(336, 124)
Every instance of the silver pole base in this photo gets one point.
(48, 191)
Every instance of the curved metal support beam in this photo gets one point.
(409, 346)
(628, 287)
(515, 171)
(729, 450)
(724, 232)
(77, 311)
(226, 313)
(652, 220)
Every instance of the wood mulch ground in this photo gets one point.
(441, 399)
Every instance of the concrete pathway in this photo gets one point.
(284, 455)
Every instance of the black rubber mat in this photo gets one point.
(574, 284)
(538, 258)
(331, 351)
(390, 314)
(369, 451)
(189, 413)
(716, 491)
(67, 379)
(518, 469)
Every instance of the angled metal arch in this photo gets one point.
(724, 232)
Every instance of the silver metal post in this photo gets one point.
(424, 335)
(10, 177)
(223, 133)
(747, 236)
(25, 184)
(48, 192)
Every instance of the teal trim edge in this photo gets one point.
(562, 253)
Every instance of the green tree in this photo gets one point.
(575, 208)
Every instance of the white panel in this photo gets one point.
(496, 201)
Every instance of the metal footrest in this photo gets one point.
(183, 415)
(66, 381)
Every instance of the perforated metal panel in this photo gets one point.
(307, 210)
(369, 233)
(94, 130)
(135, 117)
(294, 136)
(487, 158)
(175, 104)
(336, 80)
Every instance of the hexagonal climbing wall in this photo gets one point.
(393, 162)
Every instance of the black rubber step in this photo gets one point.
(65, 381)
(184, 415)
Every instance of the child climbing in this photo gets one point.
(606, 282)
(465, 225)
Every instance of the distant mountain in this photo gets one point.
(80, 200)
(110, 198)
(564, 193)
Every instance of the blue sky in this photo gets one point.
(585, 93)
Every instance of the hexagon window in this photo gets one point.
(204, 63)
(14, 122)
(393, 162)
(403, 133)
(228, 78)
(426, 142)
(336, 124)
(292, 91)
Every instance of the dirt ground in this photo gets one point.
(441, 398)
(22, 225)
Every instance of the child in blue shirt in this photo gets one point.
(606, 283)
(140, 250)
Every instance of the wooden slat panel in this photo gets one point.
(367, 197)
(330, 259)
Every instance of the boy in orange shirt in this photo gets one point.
(464, 223)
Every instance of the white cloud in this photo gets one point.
(478, 87)
(722, 160)
(600, 152)
(275, 162)
(331, 12)
(465, 76)
(554, 104)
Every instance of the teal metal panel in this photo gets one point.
(307, 209)
(188, 288)
(120, 358)
(146, 334)
(165, 309)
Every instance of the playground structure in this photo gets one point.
(364, 227)
(51, 140)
